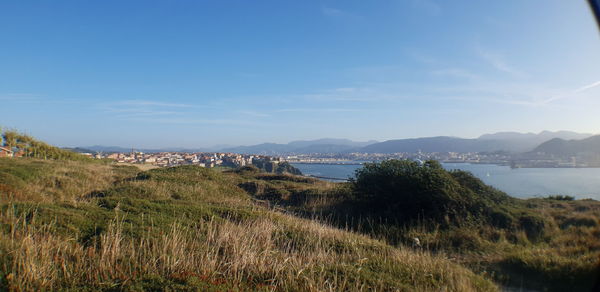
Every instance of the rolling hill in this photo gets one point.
(561, 147)
(502, 141)
(326, 145)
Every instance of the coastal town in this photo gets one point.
(449, 157)
(166, 159)
(221, 159)
(217, 159)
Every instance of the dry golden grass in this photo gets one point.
(274, 252)
(140, 166)
(56, 181)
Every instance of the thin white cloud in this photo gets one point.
(287, 110)
(428, 6)
(141, 102)
(497, 61)
(419, 56)
(185, 120)
(338, 13)
(456, 73)
(573, 93)
(369, 93)
(531, 95)
(19, 97)
(587, 87)
(253, 113)
(138, 108)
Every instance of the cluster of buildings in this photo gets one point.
(456, 157)
(164, 159)
(515, 160)
(8, 152)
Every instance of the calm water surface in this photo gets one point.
(521, 182)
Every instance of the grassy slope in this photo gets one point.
(92, 226)
(550, 245)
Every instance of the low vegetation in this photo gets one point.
(27, 146)
(86, 226)
(81, 225)
(550, 244)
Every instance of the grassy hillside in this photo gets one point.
(548, 244)
(73, 223)
(89, 226)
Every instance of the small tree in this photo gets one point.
(10, 139)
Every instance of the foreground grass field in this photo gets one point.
(550, 244)
(94, 226)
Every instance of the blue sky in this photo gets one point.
(200, 73)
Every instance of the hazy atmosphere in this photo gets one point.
(203, 73)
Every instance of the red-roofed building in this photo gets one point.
(5, 152)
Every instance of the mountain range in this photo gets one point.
(503, 141)
(326, 145)
(109, 149)
(565, 148)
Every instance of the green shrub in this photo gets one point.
(502, 219)
(534, 226)
(588, 221)
(561, 198)
(405, 191)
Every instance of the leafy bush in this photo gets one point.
(405, 190)
(561, 198)
(534, 226)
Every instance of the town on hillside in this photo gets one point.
(209, 160)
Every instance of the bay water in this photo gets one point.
(581, 183)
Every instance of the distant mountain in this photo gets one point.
(544, 135)
(108, 149)
(301, 147)
(329, 141)
(433, 144)
(561, 147)
(503, 141)
(522, 142)
(264, 148)
(78, 150)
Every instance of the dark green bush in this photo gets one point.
(561, 198)
(502, 219)
(405, 190)
(533, 225)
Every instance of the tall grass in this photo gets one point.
(273, 252)
(89, 226)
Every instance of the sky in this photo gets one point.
(203, 73)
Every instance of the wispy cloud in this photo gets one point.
(530, 95)
(338, 13)
(573, 93)
(140, 102)
(253, 113)
(587, 87)
(287, 110)
(163, 112)
(195, 121)
(19, 97)
(497, 61)
(353, 94)
(419, 56)
(138, 108)
(455, 73)
(428, 6)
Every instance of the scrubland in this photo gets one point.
(82, 225)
